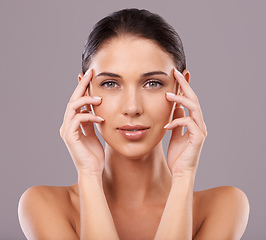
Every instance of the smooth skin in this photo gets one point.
(128, 190)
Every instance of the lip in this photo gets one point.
(128, 133)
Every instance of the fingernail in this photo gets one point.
(166, 125)
(100, 118)
(95, 97)
(170, 94)
(87, 72)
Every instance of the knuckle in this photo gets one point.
(203, 136)
(206, 132)
(189, 119)
(61, 131)
(67, 136)
(70, 105)
(80, 117)
(194, 107)
(195, 98)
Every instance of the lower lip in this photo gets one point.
(130, 135)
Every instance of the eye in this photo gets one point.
(153, 84)
(109, 84)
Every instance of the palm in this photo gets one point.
(87, 148)
(93, 148)
(184, 149)
(181, 155)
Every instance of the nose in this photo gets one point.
(131, 103)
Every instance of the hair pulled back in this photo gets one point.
(141, 23)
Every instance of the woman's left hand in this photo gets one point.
(184, 149)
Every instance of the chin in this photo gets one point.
(134, 150)
(134, 153)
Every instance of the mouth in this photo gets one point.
(133, 128)
(133, 132)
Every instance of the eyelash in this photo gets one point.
(150, 81)
(155, 81)
(104, 83)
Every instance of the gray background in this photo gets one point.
(40, 52)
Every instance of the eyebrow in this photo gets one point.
(109, 74)
(154, 73)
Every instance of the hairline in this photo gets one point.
(122, 34)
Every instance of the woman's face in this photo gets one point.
(132, 75)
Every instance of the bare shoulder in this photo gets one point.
(226, 211)
(217, 195)
(43, 191)
(44, 211)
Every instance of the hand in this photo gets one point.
(84, 147)
(184, 149)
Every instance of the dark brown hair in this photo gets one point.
(141, 23)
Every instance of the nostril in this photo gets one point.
(131, 113)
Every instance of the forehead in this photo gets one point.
(130, 53)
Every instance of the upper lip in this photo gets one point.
(130, 127)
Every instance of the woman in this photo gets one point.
(135, 82)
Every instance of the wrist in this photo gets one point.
(179, 176)
(85, 172)
(89, 176)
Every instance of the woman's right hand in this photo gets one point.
(84, 147)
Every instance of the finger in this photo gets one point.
(74, 106)
(178, 131)
(195, 134)
(193, 107)
(82, 86)
(80, 118)
(87, 127)
(187, 90)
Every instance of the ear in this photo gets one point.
(80, 76)
(186, 75)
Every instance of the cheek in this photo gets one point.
(160, 109)
(102, 109)
(106, 109)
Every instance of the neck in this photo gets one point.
(134, 182)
